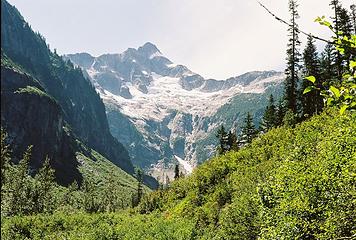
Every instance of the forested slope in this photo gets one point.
(290, 183)
(79, 104)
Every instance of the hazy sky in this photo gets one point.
(215, 38)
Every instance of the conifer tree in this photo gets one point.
(248, 131)
(176, 172)
(89, 200)
(327, 68)
(337, 59)
(343, 27)
(311, 102)
(18, 190)
(346, 27)
(293, 58)
(5, 157)
(280, 112)
(223, 140)
(137, 199)
(232, 141)
(269, 119)
(45, 181)
(110, 198)
(345, 22)
(353, 18)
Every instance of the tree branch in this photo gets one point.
(286, 23)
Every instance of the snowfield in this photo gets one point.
(186, 165)
(166, 94)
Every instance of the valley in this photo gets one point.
(171, 110)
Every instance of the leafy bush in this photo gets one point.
(289, 183)
(96, 226)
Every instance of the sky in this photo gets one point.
(215, 38)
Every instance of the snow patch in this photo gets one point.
(156, 54)
(187, 166)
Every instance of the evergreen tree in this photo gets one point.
(176, 172)
(280, 112)
(232, 141)
(223, 140)
(44, 183)
(5, 157)
(337, 58)
(327, 68)
(89, 198)
(137, 198)
(17, 192)
(353, 18)
(248, 131)
(110, 198)
(290, 119)
(345, 27)
(269, 119)
(293, 57)
(336, 6)
(345, 22)
(311, 102)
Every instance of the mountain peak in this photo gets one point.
(149, 49)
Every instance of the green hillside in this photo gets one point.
(290, 183)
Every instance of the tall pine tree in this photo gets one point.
(280, 112)
(337, 59)
(311, 102)
(353, 17)
(269, 119)
(293, 58)
(222, 135)
(232, 141)
(248, 131)
(176, 172)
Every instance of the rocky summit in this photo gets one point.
(163, 112)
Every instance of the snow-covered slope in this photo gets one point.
(168, 108)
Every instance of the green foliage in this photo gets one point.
(311, 101)
(293, 59)
(222, 135)
(311, 195)
(289, 183)
(105, 188)
(5, 157)
(343, 93)
(136, 197)
(35, 91)
(97, 226)
(290, 119)
(248, 131)
(269, 119)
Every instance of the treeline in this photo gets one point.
(25, 191)
(313, 79)
(310, 74)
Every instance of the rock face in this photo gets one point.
(169, 111)
(32, 117)
(44, 95)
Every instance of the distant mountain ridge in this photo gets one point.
(167, 109)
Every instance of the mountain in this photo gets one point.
(48, 103)
(165, 113)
